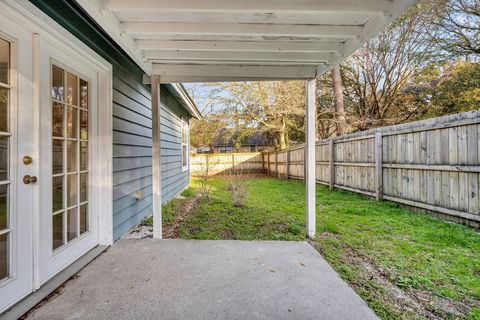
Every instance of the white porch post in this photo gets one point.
(156, 159)
(310, 156)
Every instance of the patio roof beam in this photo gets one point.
(292, 57)
(140, 29)
(232, 72)
(257, 46)
(253, 6)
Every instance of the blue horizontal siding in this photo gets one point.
(132, 149)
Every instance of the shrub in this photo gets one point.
(237, 185)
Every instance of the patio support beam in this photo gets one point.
(310, 156)
(156, 159)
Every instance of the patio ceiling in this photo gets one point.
(235, 40)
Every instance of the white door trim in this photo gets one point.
(30, 17)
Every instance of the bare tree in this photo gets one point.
(338, 100)
(377, 73)
(455, 26)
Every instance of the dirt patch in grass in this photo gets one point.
(376, 284)
(170, 230)
(173, 214)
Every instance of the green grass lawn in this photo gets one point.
(405, 265)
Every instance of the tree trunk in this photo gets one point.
(338, 99)
(283, 142)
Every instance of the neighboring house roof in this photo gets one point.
(255, 139)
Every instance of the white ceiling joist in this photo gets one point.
(300, 57)
(241, 40)
(253, 6)
(253, 46)
(145, 28)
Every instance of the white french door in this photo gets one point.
(16, 146)
(68, 221)
(53, 179)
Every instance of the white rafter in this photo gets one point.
(254, 6)
(146, 28)
(253, 46)
(292, 57)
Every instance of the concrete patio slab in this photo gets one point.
(182, 279)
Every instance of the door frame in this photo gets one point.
(43, 27)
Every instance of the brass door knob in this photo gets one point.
(29, 179)
(27, 160)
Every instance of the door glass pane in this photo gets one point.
(57, 199)
(83, 155)
(83, 187)
(72, 122)
(57, 119)
(83, 94)
(4, 98)
(72, 190)
(3, 207)
(58, 83)
(70, 129)
(4, 61)
(57, 230)
(83, 218)
(4, 160)
(83, 125)
(4, 156)
(72, 223)
(4, 253)
(72, 156)
(57, 156)
(72, 89)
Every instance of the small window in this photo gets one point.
(226, 149)
(185, 147)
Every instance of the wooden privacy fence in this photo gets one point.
(222, 163)
(432, 164)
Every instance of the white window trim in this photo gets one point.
(185, 124)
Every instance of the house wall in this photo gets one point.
(132, 161)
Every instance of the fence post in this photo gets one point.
(276, 164)
(288, 165)
(304, 166)
(206, 164)
(263, 162)
(378, 166)
(331, 165)
(268, 164)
